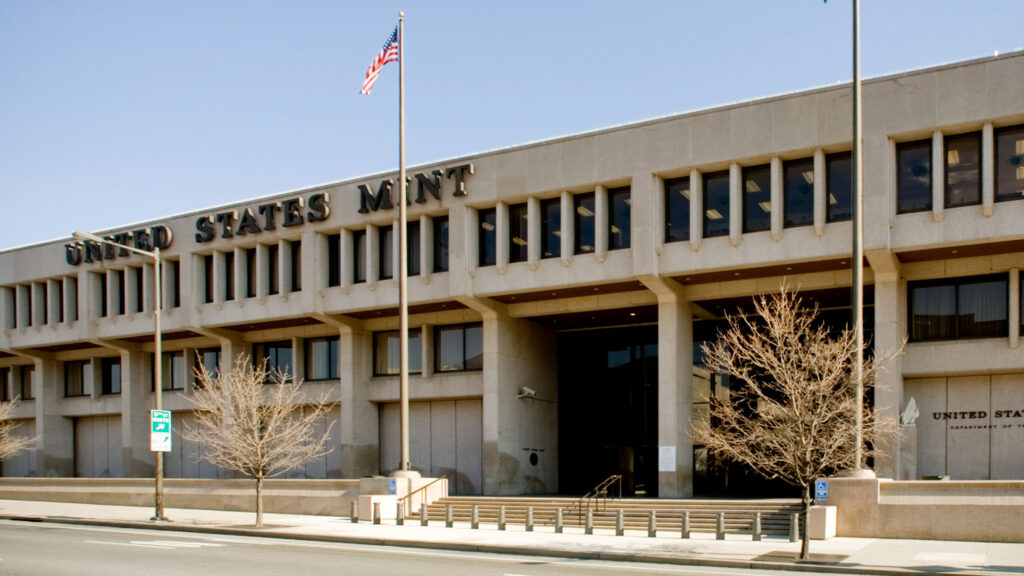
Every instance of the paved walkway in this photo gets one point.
(841, 555)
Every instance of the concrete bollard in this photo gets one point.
(501, 518)
(449, 518)
(685, 528)
(620, 522)
(474, 518)
(588, 527)
(720, 528)
(757, 527)
(424, 515)
(400, 514)
(529, 518)
(558, 521)
(794, 527)
(355, 511)
(652, 525)
(376, 512)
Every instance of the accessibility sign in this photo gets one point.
(821, 490)
(160, 430)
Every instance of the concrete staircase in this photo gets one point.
(739, 514)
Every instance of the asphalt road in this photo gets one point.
(30, 549)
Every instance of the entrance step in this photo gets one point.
(739, 514)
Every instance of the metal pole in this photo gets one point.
(158, 513)
(857, 297)
(403, 257)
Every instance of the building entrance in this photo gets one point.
(608, 409)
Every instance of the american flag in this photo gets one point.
(389, 53)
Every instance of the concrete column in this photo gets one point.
(820, 195)
(517, 353)
(568, 228)
(169, 283)
(675, 386)
(601, 223)
(284, 266)
(360, 434)
(93, 379)
(426, 248)
(696, 209)
(220, 274)
(262, 271)
(113, 293)
(938, 177)
(149, 294)
(56, 453)
(735, 204)
(890, 329)
(1014, 307)
(988, 169)
(298, 358)
(136, 402)
(54, 301)
(347, 249)
(372, 255)
(533, 232)
(472, 241)
(315, 260)
(657, 213)
(239, 273)
(777, 198)
(501, 236)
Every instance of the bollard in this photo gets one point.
(588, 528)
(376, 512)
(400, 514)
(620, 523)
(474, 519)
(449, 518)
(558, 521)
(501, 518)
(794, 527)
(652, 525)
(424, 515)
(757, 527)
(720, 529)
(529, 518)
(685, 529)
(355, 511)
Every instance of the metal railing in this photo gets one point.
(597, 498)
(404, 500)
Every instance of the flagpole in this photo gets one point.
(403, 257)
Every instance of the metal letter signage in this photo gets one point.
(426, 185)
(144, 239)
(246, 221)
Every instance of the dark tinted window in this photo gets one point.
(677, 210)
(973, 307)
(839, 186)
(1010, 163)
(583, 208)
(487, 237)
(716, 204)
(963, 170)
(385, 250)
(518, 229)
(441, 244)
(798, 192)
(551, 228)
(358, 256)
(757, 198)
(619, 224)
(914, 177)
(334, 260)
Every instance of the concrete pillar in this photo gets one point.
(890, 329)
(240, 274)
(56, 453)
(284, 266)
(54, 301)
(675, 387)
(988, 169)
(601, 223)
(735, 204)
(426, 247)
(372, 255)
(220, 273)
(149, 294)
(1014, 307)
(696, 209)
(778, 207)
(136, 402)
(533, 232)
(501, 236)
(568, 228)
(820, 195)
(359, 416)
(938, 177)
(8, 311)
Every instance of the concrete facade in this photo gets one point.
(310, 264)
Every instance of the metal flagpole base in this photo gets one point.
(405, 474)
(856, 473)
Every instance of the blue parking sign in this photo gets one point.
(821, 490)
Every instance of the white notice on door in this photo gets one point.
(666, 458)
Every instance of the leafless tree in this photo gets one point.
(11, 444)
(792, 415)
(253, 421)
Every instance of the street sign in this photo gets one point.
(160, 430)
(821, 490)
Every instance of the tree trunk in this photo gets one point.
(805, 541)
(259, 501)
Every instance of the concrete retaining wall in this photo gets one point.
(321, 497)
(983, 511)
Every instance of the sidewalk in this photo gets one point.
(840, 555)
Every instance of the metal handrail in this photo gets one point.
(599, 491)
(404, 500)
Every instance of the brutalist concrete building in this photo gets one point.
(559, 293)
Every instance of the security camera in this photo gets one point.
(525, 392)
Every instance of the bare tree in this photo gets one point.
(11, 444)
(793, 413)
(253, 421)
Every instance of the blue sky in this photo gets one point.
(115, 112)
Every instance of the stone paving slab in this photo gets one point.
(839, 555)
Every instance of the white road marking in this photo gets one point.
(128, 544)
(159, 544)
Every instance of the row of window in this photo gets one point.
(16, 383)
(248, 266)
(962, 168)
(123, 291)
(386, 251)
(959, 308)
(40, 303)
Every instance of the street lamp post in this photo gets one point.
(158, 499)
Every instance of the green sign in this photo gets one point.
(160, 430)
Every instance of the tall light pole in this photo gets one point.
(158, 498)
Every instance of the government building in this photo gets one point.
(559, 295)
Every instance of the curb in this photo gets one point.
(651, 558)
